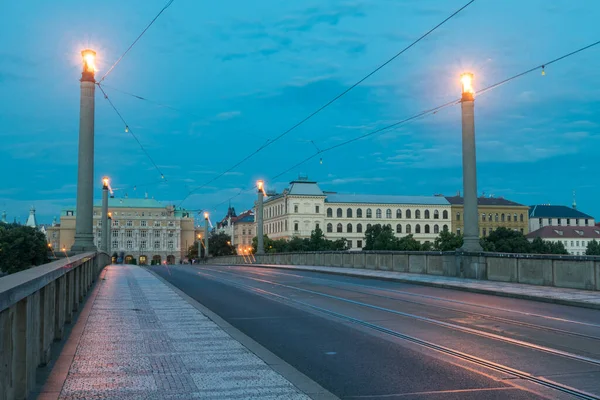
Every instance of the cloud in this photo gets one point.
(344, 181)
(228, 115)
(313, 17)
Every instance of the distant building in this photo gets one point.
(546, 215)
(143, 229)
(31, 220)
(574, 238)
(241, 228)
(303, 207)
(493, 212)
(4, 221)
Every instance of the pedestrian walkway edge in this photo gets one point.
(306, 385)
(355, 273)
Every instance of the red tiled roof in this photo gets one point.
(587, 232)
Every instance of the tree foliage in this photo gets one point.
(539, 246)
(381, 237)
(593, 248)
(316, 242)
(21, 247)
(220, 245)
(447, 241)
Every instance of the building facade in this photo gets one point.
(494, 212)
(574, 238)
(142, 229)
(303, 207)
(546, 215)
(241, 228)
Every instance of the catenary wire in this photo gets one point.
(137, 39)
(421, 114)
(128, 128)
(324, 106)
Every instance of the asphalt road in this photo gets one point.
(371, 339)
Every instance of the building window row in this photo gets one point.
(427, 214)
(499, 217)
(407, 228)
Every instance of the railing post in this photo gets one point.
(70, 295)
(8, 334)
(60, 301)
(26, 355)
(47, 321)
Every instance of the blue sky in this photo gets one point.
(239, 73)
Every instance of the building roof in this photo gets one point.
(305, 188)
(585, 232)
(485, 201)
(386, 199)
(245, 219)
(133, 203)
(548, 211)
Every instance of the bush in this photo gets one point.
(21, 247)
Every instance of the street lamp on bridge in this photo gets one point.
(105, 237)
(470, 213)
(84, 236)
(205, 235)
(260, 246)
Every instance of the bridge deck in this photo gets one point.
(140, 339)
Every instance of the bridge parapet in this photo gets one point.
(35, 305)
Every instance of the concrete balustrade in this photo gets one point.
(576, 272)
(35, 305)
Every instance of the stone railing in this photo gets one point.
(577, 272)
(35, 305)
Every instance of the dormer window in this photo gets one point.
(558, 232)
(580, 233)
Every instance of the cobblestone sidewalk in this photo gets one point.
(573, 297)
(143, 341)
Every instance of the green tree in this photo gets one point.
(21, 247)
(220, 245)
(193, 251)
(593, 248)
(447, 241)
(407, 243)
(503, 240)
(426, 246)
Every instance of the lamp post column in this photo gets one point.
(260, 245)
(104, 238)
(84, 236)
(108, 233)
(470, 213)
(206, 235)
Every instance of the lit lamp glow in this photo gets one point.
(205, 215)
(105, 182)
(467, 85)
(260, 184)
(89, 60)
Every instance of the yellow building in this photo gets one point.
(142, 229)
(494, 212)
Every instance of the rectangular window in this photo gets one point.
(317, 225)
(115, 223)
(156, 223)
(458, 231)
(295, 208)
(243, 231)
(129, 233)
(144, 234)
(571, 243)
(458, 216)
(559, 222)
(541, 221)
(577, 243)
(295, 227)
(143, 223)
(129, 223)
(156, 234)
(170, 233)
(170, 244)
(359, 244)
(115, 244)
(349, 242)
(143, 244)
(316, 209)
(69, 213)
(115, 234)
(157, 244)
(586, 222)
(568, 221)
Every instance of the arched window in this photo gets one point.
(490, 217)
(436, 214)
(378, 213)
(458, 216)
(329, 228)
(436, 228)
(388, 213)
(502, 217)
(359, 213)
(445, 228)
(370, 213)
(427, 228)
(398, 213)
(368, 226)
(418, 214)
(483, 217)
(521, 219)
(408, 230)
(329, 213)
(349, 228)
(339, 213)
(496, 219)
(417, 228)
(398, 228)
(339, 228)
(408, 215)
(508, 217)
(349, 213)
(515, 218)
(445, 214)
(359, 228)
(426, 214)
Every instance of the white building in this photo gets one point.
(303, 207)
(574, 238)
(546, 215)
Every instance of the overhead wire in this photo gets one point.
(129, 130)
(137, 39)
(327, 104)
(419, 115)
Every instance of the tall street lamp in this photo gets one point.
(206, 235)
(260, 246)
(108, 233)
(199, 246)
(470, 213)
(84, 236)
(104, 238)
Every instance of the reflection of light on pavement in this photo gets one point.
(167, 267)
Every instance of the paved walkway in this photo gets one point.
(141, 340)
(574, 297)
